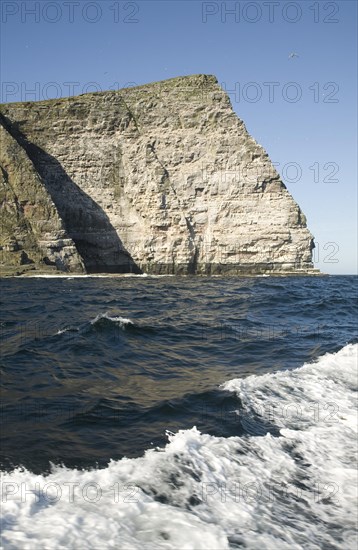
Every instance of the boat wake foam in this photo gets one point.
(292, 490)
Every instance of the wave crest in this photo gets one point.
(202, 491)
(105, 319)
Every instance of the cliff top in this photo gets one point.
(181, 83)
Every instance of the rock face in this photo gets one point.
(32, 233)
(161, 178)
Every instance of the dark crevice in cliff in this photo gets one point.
(131, 114)
(193, 263)
(85, 221)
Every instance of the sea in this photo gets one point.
(148, 412)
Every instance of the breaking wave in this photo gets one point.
(289, 485)
(105, 318)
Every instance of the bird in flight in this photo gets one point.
(292, 55)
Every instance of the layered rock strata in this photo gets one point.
(161, 178)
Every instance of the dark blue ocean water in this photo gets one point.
(81, 385)
(97, 369)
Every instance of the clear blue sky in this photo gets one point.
(115, 43)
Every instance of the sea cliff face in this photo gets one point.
(161, 178)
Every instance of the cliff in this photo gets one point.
(32, 233)
(161, 178)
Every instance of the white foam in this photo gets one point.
(145, 275)
(62, 331)
(79, 275)
(121, 321)
(292, 491)
(91, 276)
(58, 276)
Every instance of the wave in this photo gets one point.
(69, 276)
(112, 321)
(105, 318)
(291, 399)
(290, 490)
(102, 320)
